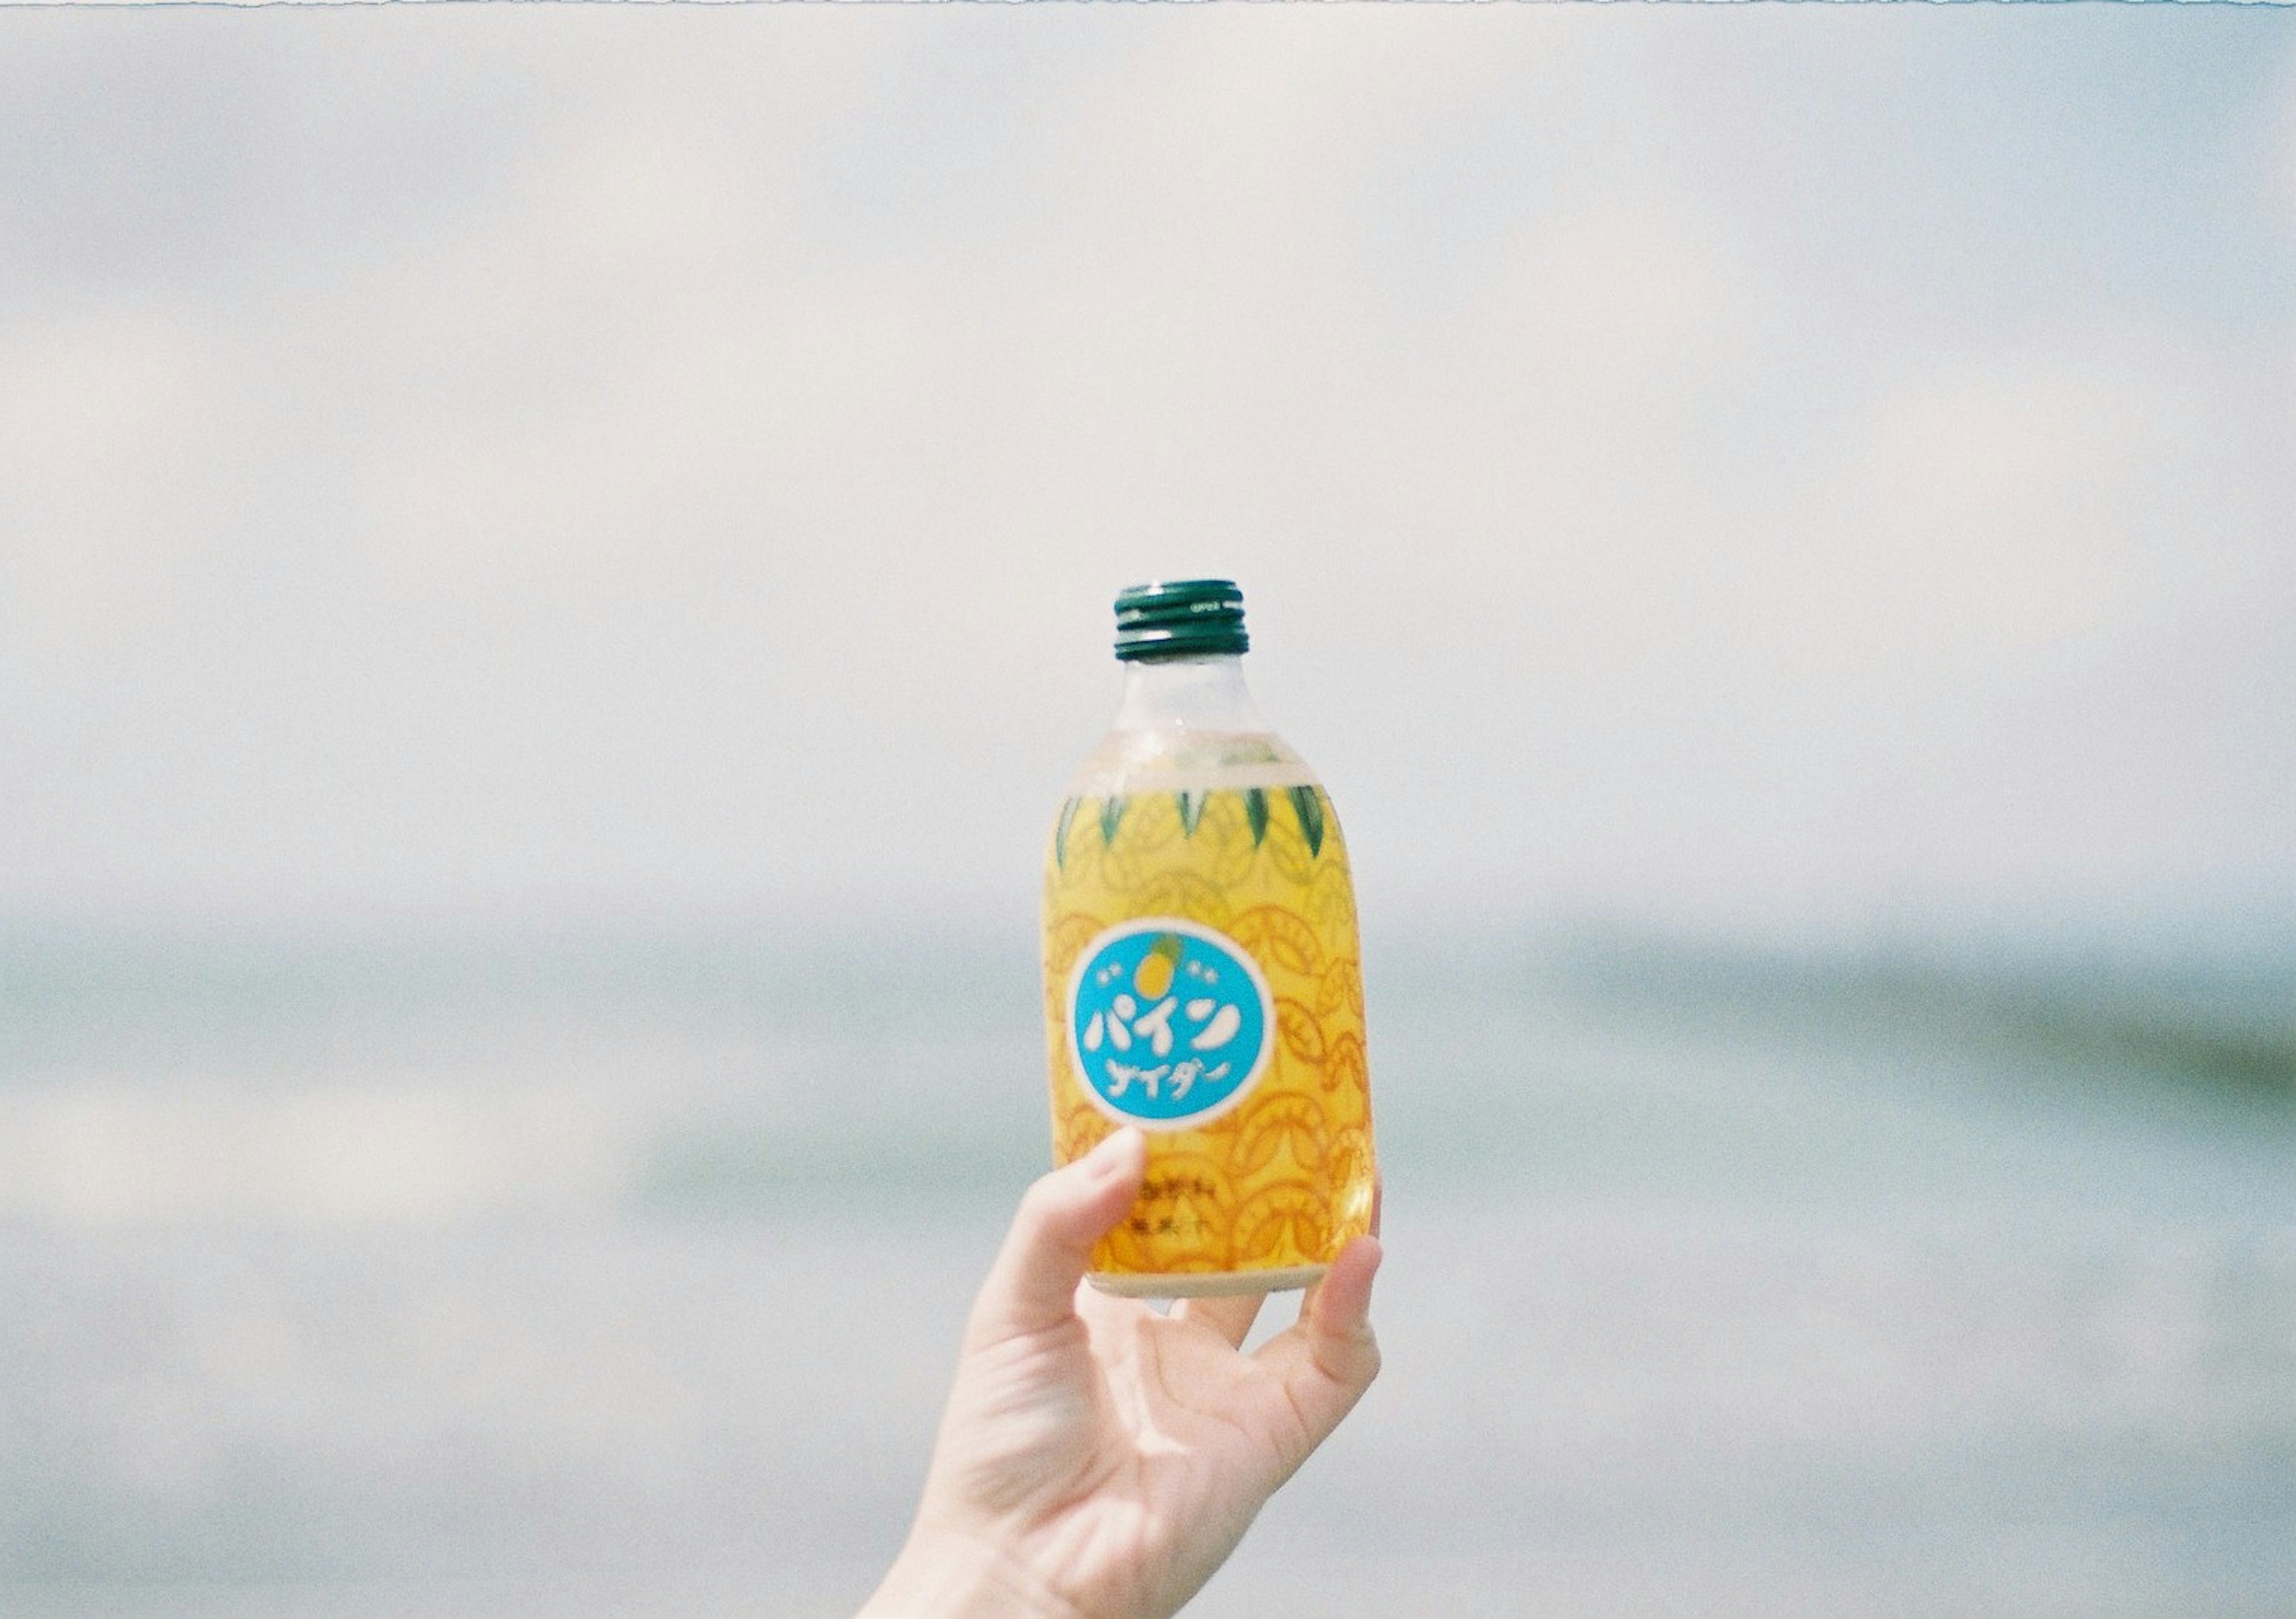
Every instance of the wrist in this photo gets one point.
(954, 1576)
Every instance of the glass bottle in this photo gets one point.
(1203, 975)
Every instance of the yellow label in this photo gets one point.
(1201, 979)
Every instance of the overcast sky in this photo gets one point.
(1739, 466)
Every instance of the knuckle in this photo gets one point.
(1041, 1202)
(1369, 1358)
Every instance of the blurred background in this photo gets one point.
(554, 563)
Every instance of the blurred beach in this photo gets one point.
(551, 555)
(504, 1274)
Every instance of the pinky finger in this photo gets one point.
(1337, 1314)
(1327, 1362)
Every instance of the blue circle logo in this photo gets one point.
(1167, 1022)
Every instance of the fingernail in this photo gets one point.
(1110, 1158)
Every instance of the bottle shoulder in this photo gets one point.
(1184, 759)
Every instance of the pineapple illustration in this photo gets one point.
(1153, 977)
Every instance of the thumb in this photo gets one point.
(1032, 1285)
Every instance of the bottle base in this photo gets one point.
(1205, 1284)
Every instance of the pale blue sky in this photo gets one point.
(1739, 466)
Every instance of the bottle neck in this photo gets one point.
(1205, 694)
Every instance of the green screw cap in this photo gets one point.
(1180, 618)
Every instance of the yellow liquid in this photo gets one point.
(1265, 1193)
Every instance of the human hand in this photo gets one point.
(1098, 1460)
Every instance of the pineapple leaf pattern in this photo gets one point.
(1061, 833)
(1111, 817)
(1192, 811)
(1310, 809)
(1255, 811)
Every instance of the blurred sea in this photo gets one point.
(518, 1274)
